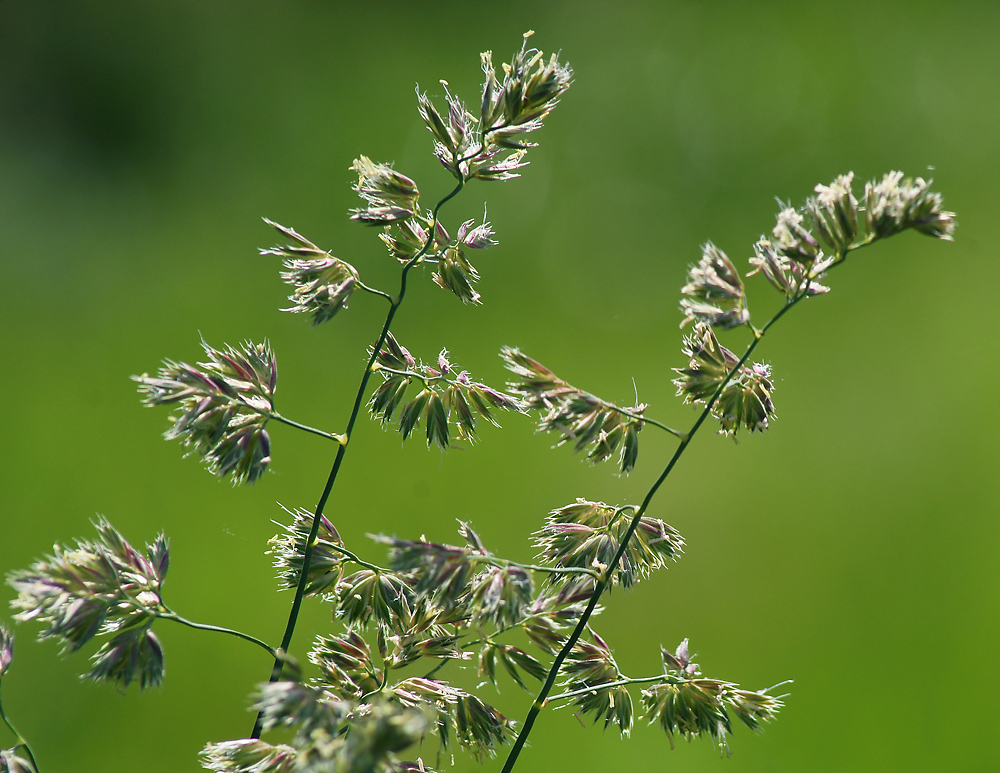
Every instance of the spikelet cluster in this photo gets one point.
(578, 417)
(590, 534)
(591, 670)
(326, 565)
(745, 400)
(100, 587)
(223, 406)
(689, 705)
(491, 145)
(321, 284)
(447, 399)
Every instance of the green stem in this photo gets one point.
(21, 743)
(608, 686)
(602, 585)
(645, 420)
(439, 666)
(342, 439)
(640, 680)
(384, 682)
(169, 614)
(360, 561)
(362, 286)
(300, 589)
(425, 380)
(273, 414)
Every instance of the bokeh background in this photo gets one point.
(853, 548)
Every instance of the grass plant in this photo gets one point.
(407, 610)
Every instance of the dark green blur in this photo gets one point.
(853, 548)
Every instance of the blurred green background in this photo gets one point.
(853, 548)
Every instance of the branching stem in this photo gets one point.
(421, 377)
(602, 584)
(300, 589)
(384, 681)
(166, 613)
(362, 286)
(645, 420)
(273, 414)
(360, 561)
(342, 439)
(608, 686)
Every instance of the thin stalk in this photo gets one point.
(602, 584)
(360, 561)
(21, 743)
(645, 420)
(362, 286)
(639, 680)
(439, 666)
(169, 614)
(382, 684)
(273, 414)
(342, 439)
(424, 379)
(300, 589)
(608, 686)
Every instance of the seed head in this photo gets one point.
(346, 666)
(457, 274)
(745, 400)
(500, 594)
(368, 595)
(714, 292)
(491, 146)
(248, 755)
(321, 284)
(224, 405)
(95, 587)
(589, 534)
(896, 203)
(133, 655)
(480, 728)
(699, 706)
(589, 666)
(514, 661)
(389, 195)
(787, 276)
(834, 212)
(477, 237)
(442, 573)
(577, 416)
(792, 239)
(449, 397)
(679, 660)
(327, 564)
